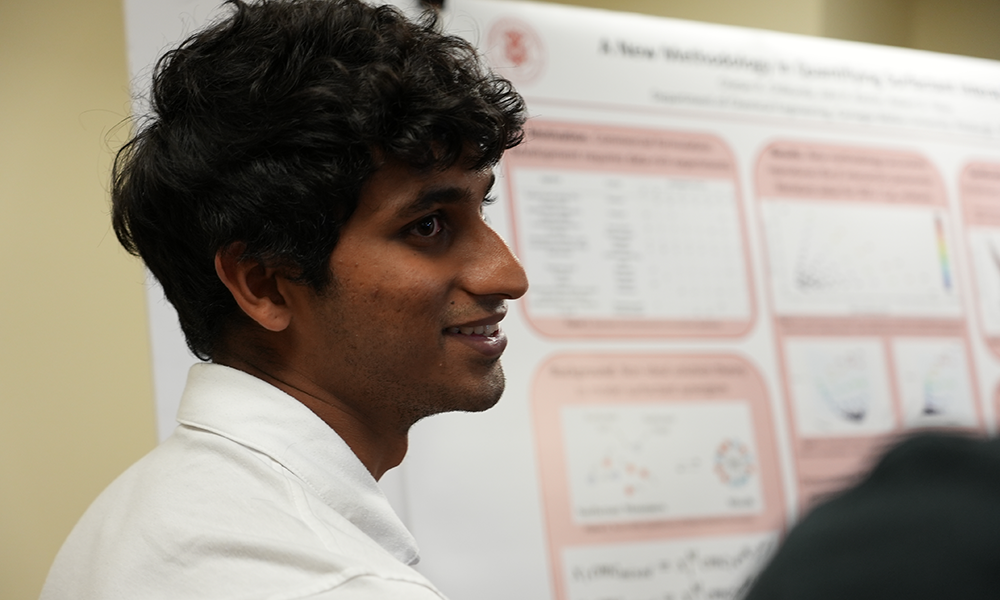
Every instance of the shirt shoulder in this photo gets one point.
(205, 517)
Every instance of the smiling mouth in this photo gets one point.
(484, 330)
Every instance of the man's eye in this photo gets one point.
(427, 227)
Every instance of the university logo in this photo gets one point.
(515, 51)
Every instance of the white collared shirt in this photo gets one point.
(253, 496)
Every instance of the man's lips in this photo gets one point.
(487, 330)
(484, 335)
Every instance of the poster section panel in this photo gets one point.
(867, 316)
(979, 193)
(996, 405)
(659, 474)
(629, 232)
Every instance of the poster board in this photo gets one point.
(756, 259)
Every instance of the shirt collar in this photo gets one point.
(257, 415)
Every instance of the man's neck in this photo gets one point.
(378, 448)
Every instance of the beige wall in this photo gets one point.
(874, 21)
(75, 390)
(970, 27)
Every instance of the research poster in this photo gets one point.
(755, 260)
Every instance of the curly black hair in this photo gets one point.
(265, 126)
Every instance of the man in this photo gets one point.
(309, 193)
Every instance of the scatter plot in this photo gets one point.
(623, 470)
(839, 386)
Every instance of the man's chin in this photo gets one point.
(493, 388)
(479, 396)
(483, 396)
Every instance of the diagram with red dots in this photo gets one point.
(660, 461)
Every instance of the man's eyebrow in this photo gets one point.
(437, 196)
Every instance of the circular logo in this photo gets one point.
(515, 50)
(733, 463)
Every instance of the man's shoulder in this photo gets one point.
(199, 483)
(202, 515)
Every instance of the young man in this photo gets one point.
(309, 193)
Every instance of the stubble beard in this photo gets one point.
(392, 400)
(417, 403)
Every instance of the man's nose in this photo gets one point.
(495, 271)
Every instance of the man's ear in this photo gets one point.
(255, 287)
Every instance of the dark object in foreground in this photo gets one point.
(924, 524)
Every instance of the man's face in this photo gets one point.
(410, 324)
